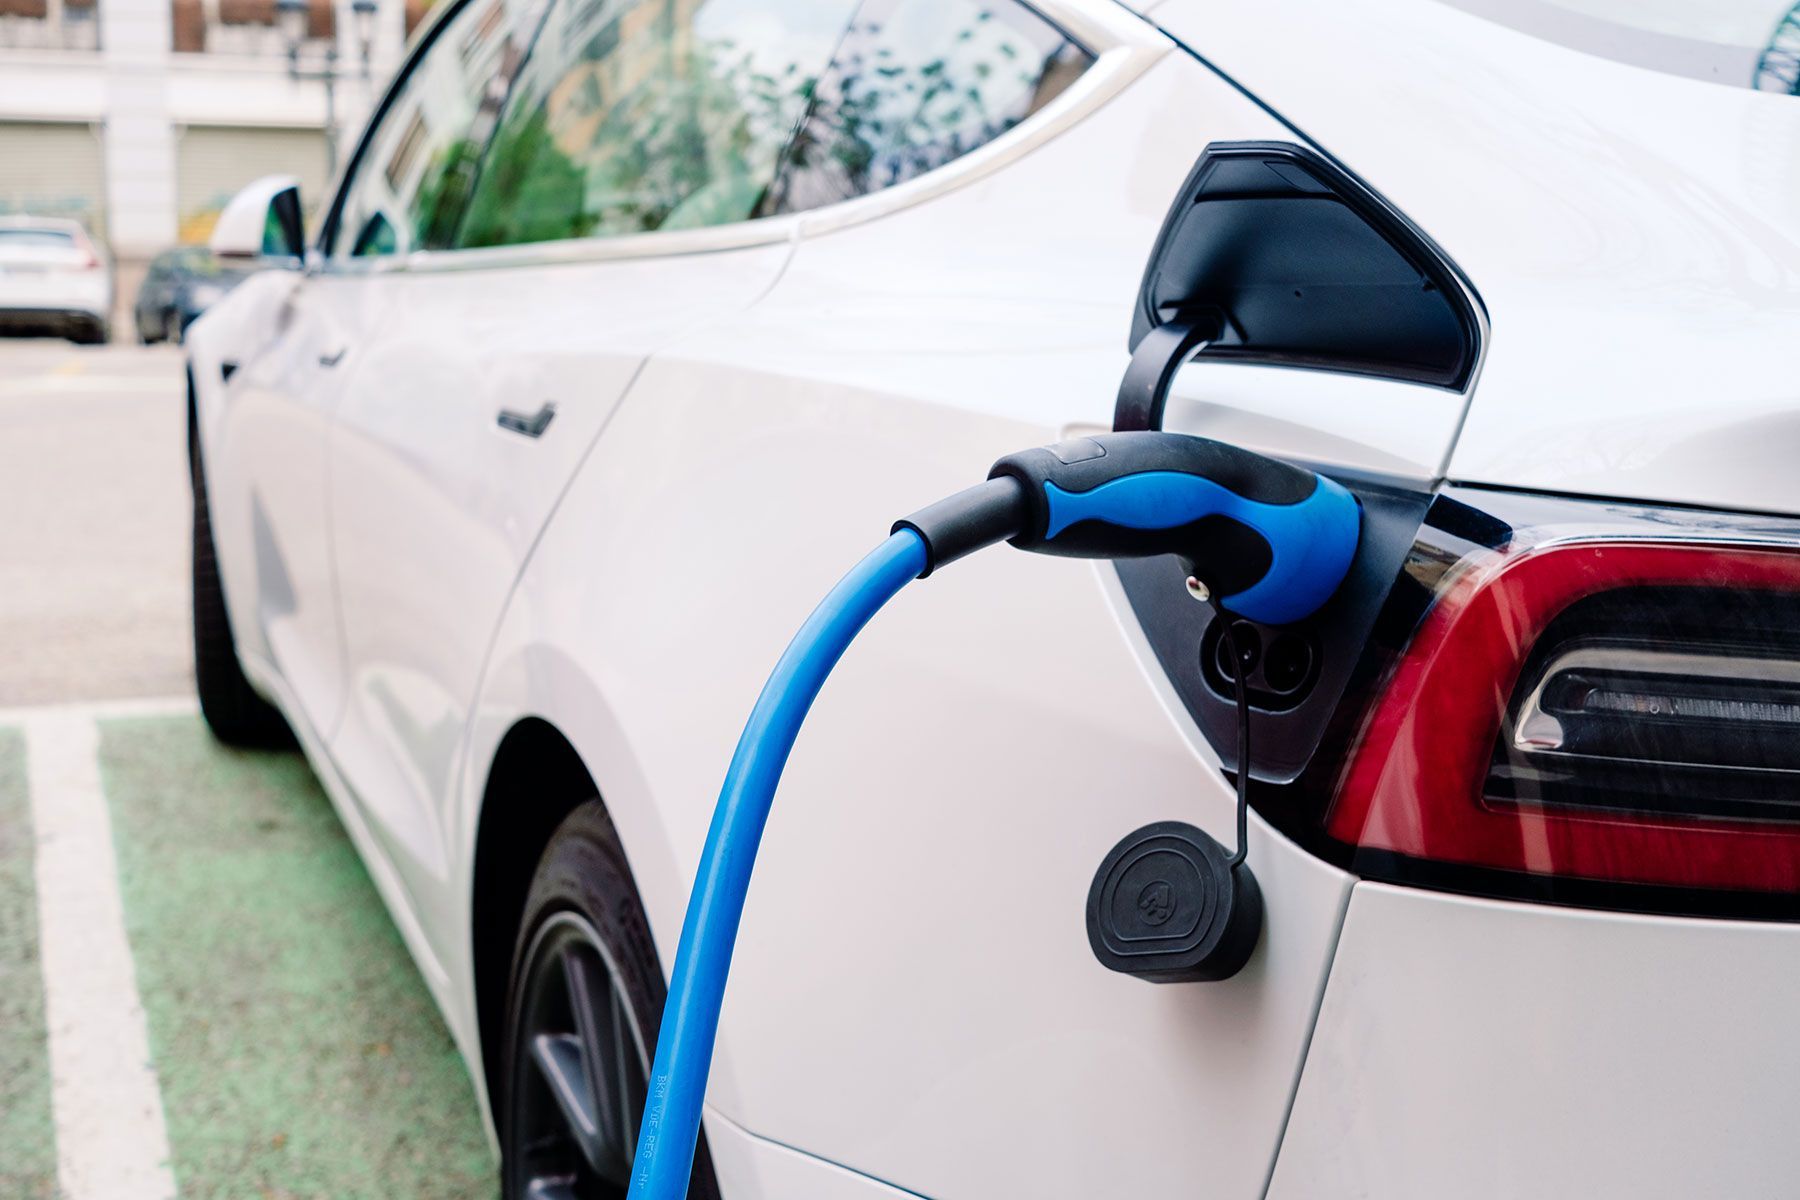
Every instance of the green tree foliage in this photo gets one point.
(530, 190)
(663, 130)
(443, 191)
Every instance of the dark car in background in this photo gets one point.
(181, 284)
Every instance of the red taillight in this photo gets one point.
(90, 258)
(1425, 778)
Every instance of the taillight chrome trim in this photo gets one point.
(1533, 727)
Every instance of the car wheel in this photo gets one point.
(586, 996)
(234, 712)
(94, 333)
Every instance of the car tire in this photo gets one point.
(94, 333)
(233, 711)
(583, 933)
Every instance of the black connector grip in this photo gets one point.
(961, 524)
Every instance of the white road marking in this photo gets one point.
(111, 1142)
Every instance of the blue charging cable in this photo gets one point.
(690, 1023)
(1273, 540)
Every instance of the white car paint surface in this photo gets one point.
(1434, 998)
(741, 410)
(1635, 236)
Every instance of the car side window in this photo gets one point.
(413, 179)
(639, 115)
(916, 84)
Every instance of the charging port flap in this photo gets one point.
(1274, 255)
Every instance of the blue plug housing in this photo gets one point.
(1272, 541)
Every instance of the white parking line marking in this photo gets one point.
(111, 1143)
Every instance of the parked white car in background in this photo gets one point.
(53, 279)
(632, 325)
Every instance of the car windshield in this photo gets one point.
(1743, 43)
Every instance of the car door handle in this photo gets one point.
(530, 424)
(334, 358)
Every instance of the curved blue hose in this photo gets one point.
(671, 1125)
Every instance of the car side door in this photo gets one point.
(608, 216)
(286, 392)
(267, 470)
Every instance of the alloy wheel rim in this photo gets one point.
(580, 1063)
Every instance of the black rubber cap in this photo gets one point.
(1167, 906)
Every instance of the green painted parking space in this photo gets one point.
(298, 1051)
(27, 1145)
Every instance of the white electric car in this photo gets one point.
(632, 325)
(53, 279)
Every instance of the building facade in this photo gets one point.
(142, 117)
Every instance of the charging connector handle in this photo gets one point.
(1271, 541)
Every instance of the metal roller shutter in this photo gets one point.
(54, 169)
(214, 161)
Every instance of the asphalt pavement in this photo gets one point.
(93, 523)
(201, 994)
